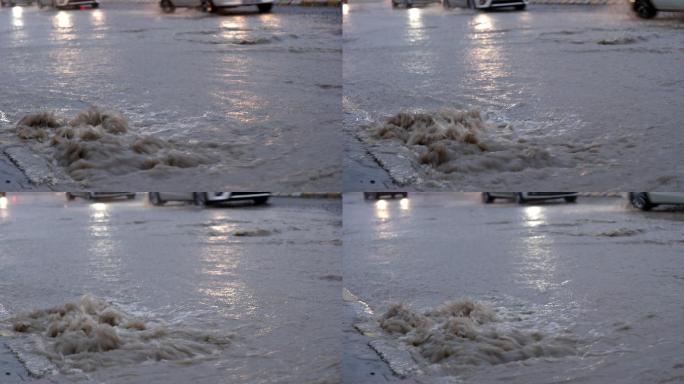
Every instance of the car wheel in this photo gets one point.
(520, 7)
(520, 198)
(368, 195)
(167, 6)
(265, 8)
(91, 196)
(645, 9)
(640, 201)
(130, 196)
(260, 200)
(200, 198)
(571, 199)
(207, 6)
(155, 198)
(487, 198)
(69, 196)
(96, 5)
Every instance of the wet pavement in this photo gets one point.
(597, 274)
(255, 95)
(585, 97)
(268, 278)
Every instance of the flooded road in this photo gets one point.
(255, 96)
(571, 96)
(173, 294)
(555, 292)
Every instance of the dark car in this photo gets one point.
(523, 197)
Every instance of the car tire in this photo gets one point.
(265, 8)
(199, 198)
(207, 6)
(260, 200)
(155, 198)
(570, 199)
(520, 7)
(368, 195)
(645, 9)
(487, 198)
(167, 6)
(96, 5)
(70, 197)
(130, 196)
(520, 198)
(640, 201)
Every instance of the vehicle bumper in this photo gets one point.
(498, 3)
(240, 3)
(548, 195)
(230, 196)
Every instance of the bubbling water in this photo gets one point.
(91, 333)
(467, 333)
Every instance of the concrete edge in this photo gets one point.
(35, 168)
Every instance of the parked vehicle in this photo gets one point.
(647, 200)
(412, 3)
(100, 195)
(207, 198)
(65, 4)
(523, 197)
(12, 3)
(378, 195)
(486, 4)
(648, 9)
(169, 6)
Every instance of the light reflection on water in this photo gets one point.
(221, 280)
(17, 17)
(537, 264)
(102, 250)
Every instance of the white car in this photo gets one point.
(205, 198)
(486, 4)
(647, 200)
(169, 6)
(649, 8)
(64, 4)
(523, 197)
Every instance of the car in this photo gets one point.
(12, 3)
(648, 9)
(412, 3)
(378, 195)
(486, 4)
(647, 200)
(65, 4)
(523, 197)
(168, 6)
(207, 198)
(100, 195)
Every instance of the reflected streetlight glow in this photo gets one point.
(381, 210)
(534, 216)
(416, 31)
(97, 17)
(17, 15)
(404, 204)
(483, 22)
(62, 20)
